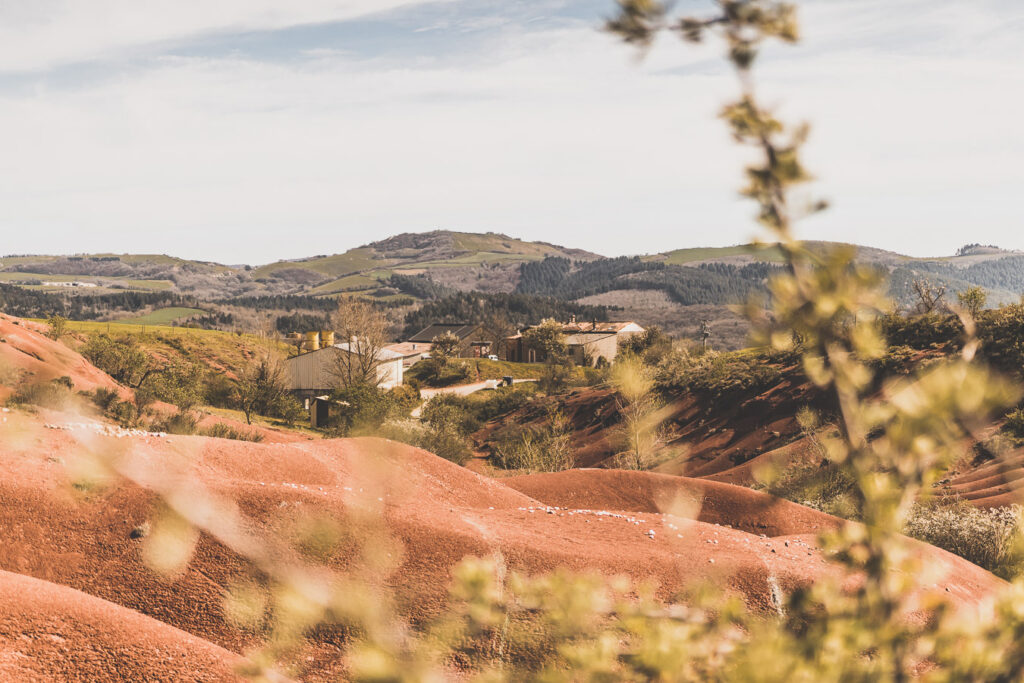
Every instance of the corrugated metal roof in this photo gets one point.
(460, 330)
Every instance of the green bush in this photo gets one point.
(124, 413)
(405, 399)
(922, 331)
(452, 412)
(555, 377)
(442, 440)
(827, 487)
(218, 391)
(120, 358)
(1014, 424)
(289, 409)
(429, 374)
(502, 401)
(718, 375)
(180, 383)
(364, 409)
(181, 422)
(446, 441)
(651, 346)
(104, 398)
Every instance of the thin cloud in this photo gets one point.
(41, 34)
(549, 132)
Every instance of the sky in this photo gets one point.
(247, 131)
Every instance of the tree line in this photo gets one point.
(709, 283)
(518, 309)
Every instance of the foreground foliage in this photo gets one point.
(868, 623)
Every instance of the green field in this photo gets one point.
(163, 316)
(128, 283)
(681, 257)
(134, 327)
(352, 261)
(363, 281)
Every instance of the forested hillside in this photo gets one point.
(511, 309)
(706, 283)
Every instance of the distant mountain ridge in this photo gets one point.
(671, 288)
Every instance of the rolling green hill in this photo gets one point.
(460, 260)
(675, 289)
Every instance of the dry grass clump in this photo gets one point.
(536, 449)
(226, 431)
(986, 537)
(55, 395)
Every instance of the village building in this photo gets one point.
(472, 341)
(411, 352)
(590, 343)
(318, 373)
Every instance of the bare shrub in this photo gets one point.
(987, 537)
(536, 449)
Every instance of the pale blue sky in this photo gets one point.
(252, 130)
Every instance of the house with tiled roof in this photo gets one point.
(590, 343)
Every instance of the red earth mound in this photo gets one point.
(715, 503)
(992, 483)
(34, 357)
(53, 633)
(440, 513)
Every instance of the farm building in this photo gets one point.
(473, 343)
(320, 372)
(590, 343)
(411, 352)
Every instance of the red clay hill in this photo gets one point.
(610, 521)
(27, 355)
(77, 602)
(718, 440)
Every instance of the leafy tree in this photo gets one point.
(58, 325)
(517, 309)
(120, 358)
(445, 346)
(651, 345)
(973, 300)
(180, 383)
(548, 340)
(262, 388)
